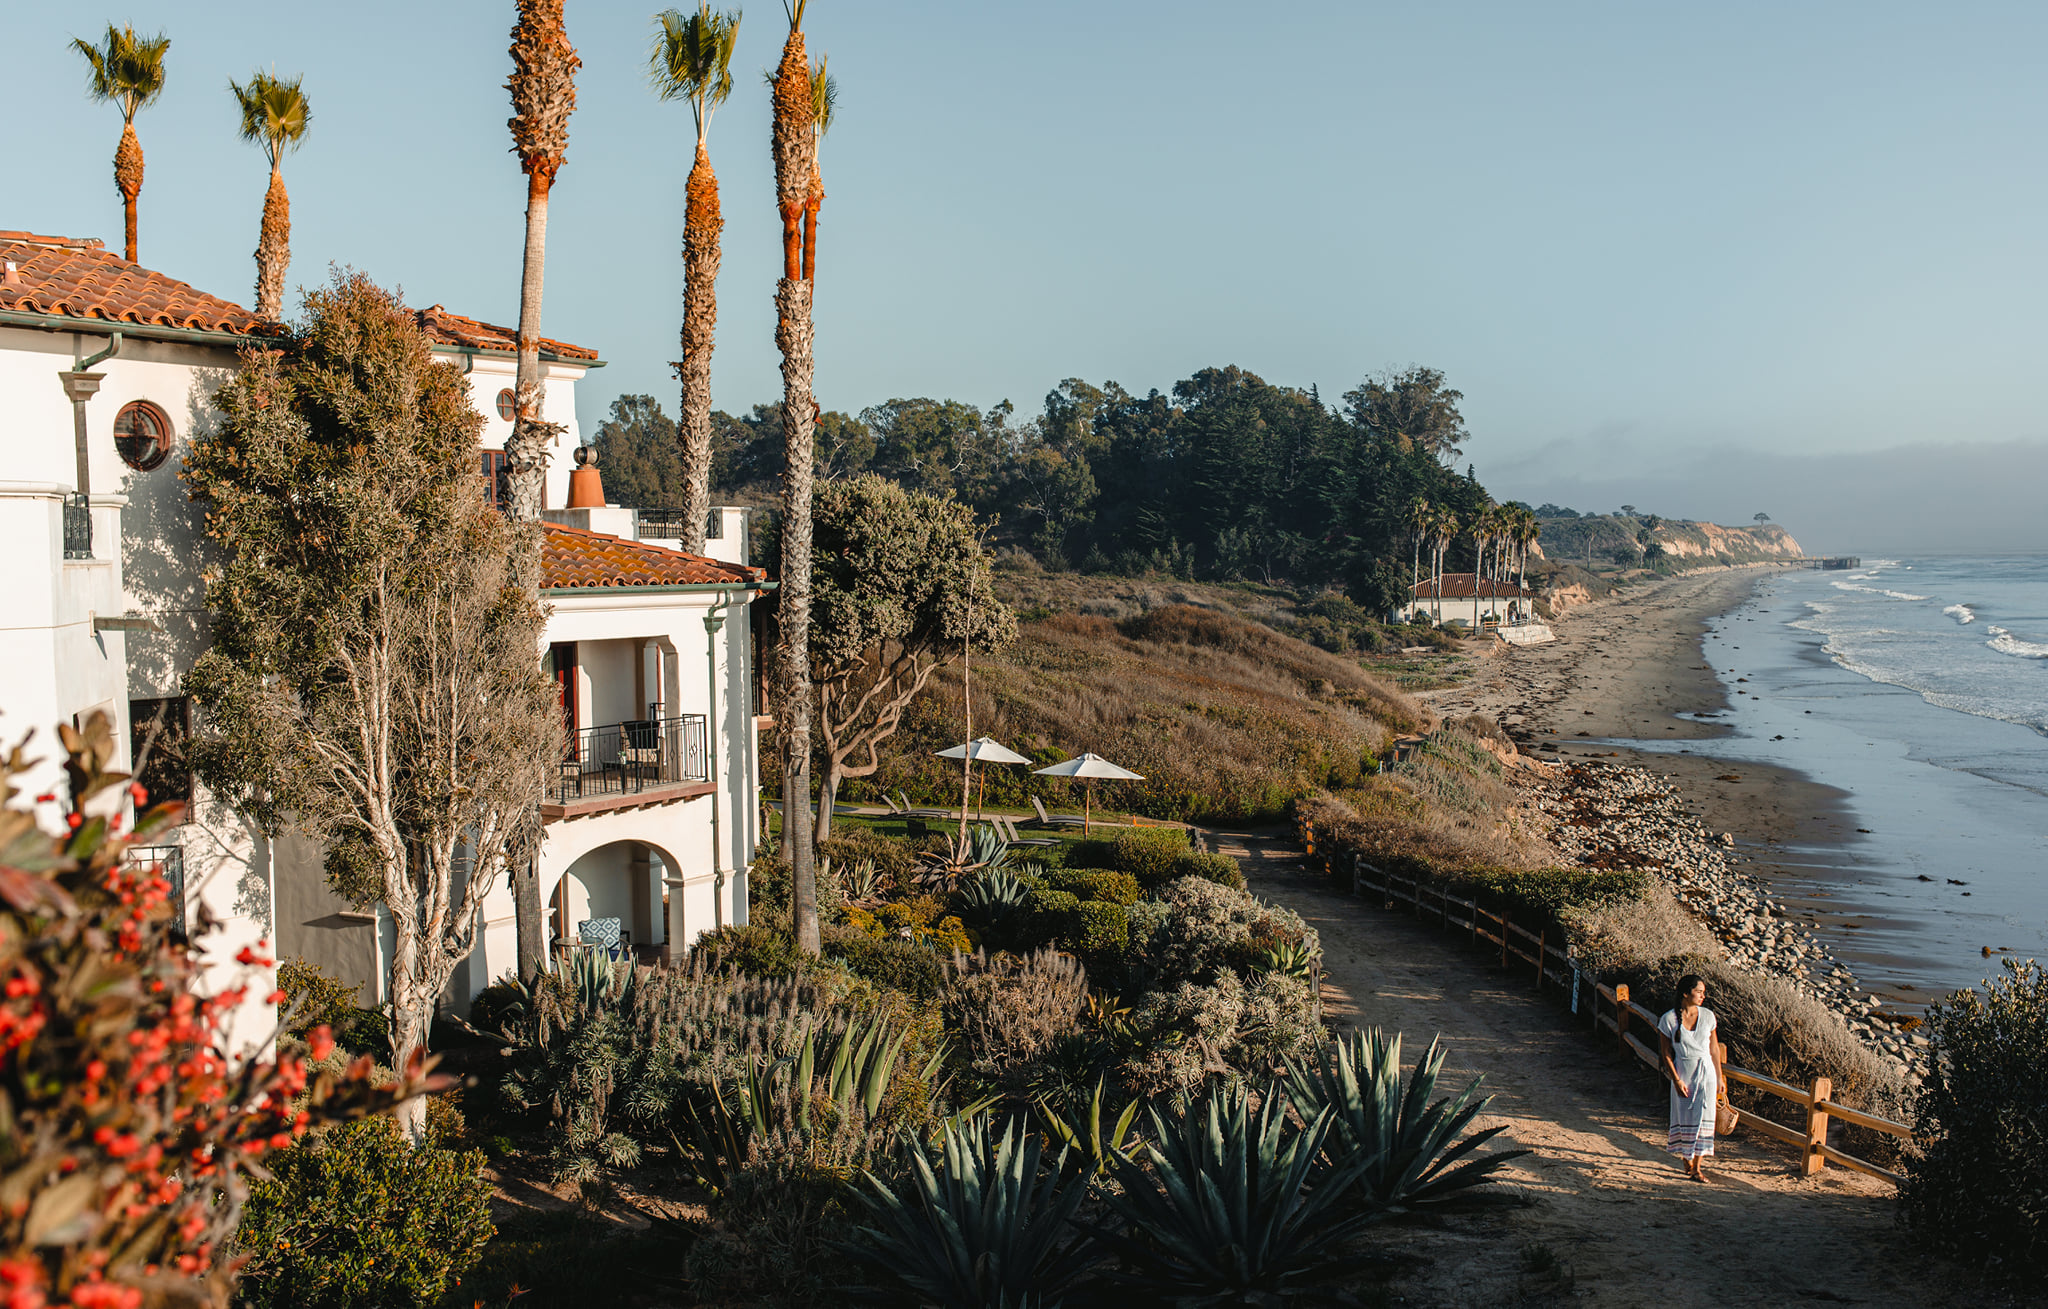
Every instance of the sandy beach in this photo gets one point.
(1624, 667)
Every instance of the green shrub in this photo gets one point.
(358, 1217)
(891, 962)
(1051, 910)
(313, 998)
(753, 950)
(1251, 1026)
(1218, 868)
(1096, 884)
(1090, 854)
(852, 842)
(1099, 930)
(1147, 853)
(1210, 929)
(1540, 896)
(1979, 1188)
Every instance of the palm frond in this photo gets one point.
(275, 111)
(692, 57)
(127, 69)
(824, 97)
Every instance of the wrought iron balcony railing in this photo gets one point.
(628, 758)
(77, 527)
(665, 523)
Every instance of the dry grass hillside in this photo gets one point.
(1228, 719)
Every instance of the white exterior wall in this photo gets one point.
(590, 857)
(146, 561)
(489, 374)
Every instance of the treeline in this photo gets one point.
(1226, 477)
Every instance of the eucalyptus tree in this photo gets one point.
(127, 70)
(372, 680)
(275, 115)
(692, 60)
(794, 141)
(543, 87)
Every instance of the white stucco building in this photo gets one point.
(106, 372)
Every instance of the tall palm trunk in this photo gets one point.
(795, 149)
(702, 224)
(814, 200)
(273, 249)
(526, 451)
(128, 180)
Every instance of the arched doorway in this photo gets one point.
(623, 880)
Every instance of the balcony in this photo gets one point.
(623, 764)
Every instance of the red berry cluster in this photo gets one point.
(122, 1169)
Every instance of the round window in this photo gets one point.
(142, 435)
(508, 404)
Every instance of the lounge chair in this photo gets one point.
(1008, 827)
(1056, 820)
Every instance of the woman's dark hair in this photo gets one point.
(1685, 985)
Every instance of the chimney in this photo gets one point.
(586, 490)
(10, 274)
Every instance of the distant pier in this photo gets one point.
(1839, 561)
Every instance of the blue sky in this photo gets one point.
(1623, 230)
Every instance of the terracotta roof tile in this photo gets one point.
(1458, 586)
(574, 559)
(454, 329)
(70, 278)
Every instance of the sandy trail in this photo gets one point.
(1608, 1203)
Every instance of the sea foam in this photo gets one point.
(2006, 643)
(1962, 614)
(1877, 590)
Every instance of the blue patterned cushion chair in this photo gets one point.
(601, 934)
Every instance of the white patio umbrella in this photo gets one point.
(1089, 767)
(981, 750)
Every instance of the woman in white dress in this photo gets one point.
(1693, 1061)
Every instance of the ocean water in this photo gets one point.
(1919, 687)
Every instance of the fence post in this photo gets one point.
(1621, 1015)
(1542, 936)
(1504, 934)
(1816, 1126)
(1354, 873)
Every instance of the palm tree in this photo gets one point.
(543, 87)
(275, 115)
(1443, 528)
(795, 143)
(128, 70)
(1485, 524)
(824, 99)
(1417, 522)
(692, 61)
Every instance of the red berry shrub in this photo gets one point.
(126, 1135)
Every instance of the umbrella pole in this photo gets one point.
(1087, 805)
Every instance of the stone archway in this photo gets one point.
(624, 879)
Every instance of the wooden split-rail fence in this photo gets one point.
(1548, 966)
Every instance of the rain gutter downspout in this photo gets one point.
(714, 623)
(82, 384)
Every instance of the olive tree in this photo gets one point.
(375, 676)
(900, 585)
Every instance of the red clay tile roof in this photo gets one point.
(454, 329)
(572, 558)
(1458, 586)
(70, 278)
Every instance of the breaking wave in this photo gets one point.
(2006, 643)
(1877, 590)
(1962, 614)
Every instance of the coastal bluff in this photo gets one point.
(1605, 539)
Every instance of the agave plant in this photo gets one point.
(1296, 959)
(981, 848)
(864, 884)
(1091, 1132)
(1236, 1207)
(990, 1224)
(1413, 1158)
(990, 896)
(600, 980)
(848, 1071)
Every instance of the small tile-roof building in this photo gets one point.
(1466, 597)
(572, 558)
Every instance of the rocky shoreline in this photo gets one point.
(1613, 815)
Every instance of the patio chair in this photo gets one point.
(606, 934)
(639, 751)
(1056, 820)
(1008, 827)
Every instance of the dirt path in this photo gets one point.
(1624, 1225)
